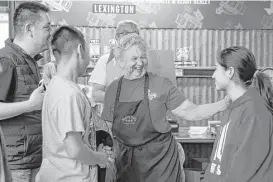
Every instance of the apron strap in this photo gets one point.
(146, 87)
(118, 92)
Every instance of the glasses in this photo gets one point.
(124, 33)
(129, 43)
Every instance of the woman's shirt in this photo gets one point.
(163, 95)
(243, 148)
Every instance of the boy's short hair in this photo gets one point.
(65, 39)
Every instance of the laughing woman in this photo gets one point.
(243, 149)
(136, 106)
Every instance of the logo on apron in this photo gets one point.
(151, 95)
(129, 120)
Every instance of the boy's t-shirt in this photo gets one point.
(65, 109)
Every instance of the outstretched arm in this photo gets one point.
(191, 112)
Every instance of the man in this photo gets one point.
(67, 154)
(5, 175)
(20, 111)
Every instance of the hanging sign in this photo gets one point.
(114, 9)
(94, 51)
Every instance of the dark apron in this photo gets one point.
(143, 154)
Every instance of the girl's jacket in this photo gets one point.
(243, 149)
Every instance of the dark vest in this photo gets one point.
(23, 133)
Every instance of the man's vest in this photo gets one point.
(23, 133)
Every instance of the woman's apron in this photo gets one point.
(143, 154)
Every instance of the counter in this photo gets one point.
(185, 138)
(194, 147)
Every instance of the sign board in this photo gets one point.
(94, 48)
(114, 9)
(94, 51)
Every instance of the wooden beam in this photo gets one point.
(11, 12)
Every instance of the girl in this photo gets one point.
(242, 151)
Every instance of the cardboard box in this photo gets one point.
(200, 163)
(193, 175)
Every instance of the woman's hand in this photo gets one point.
(227, 101)
(103, 159)
(108, 151)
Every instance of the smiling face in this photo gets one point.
(135, 62)
(41, 32)
(221, 77)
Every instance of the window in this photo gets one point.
(4, 22)
(4, 4)
(4, 27)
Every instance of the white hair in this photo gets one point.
(130, 23)
(126, 42)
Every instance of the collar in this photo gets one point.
(18, 49)
(248, 95)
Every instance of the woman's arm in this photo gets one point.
(189, 111)
(183, 107)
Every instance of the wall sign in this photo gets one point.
(94, 51)
(203, 14)
(114, 8)
(94, 48)
(58, 5)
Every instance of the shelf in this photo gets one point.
(194, 72)
(197, 67)
(182, 72)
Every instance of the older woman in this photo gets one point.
(136, 106)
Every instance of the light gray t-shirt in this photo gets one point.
(65, 109)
